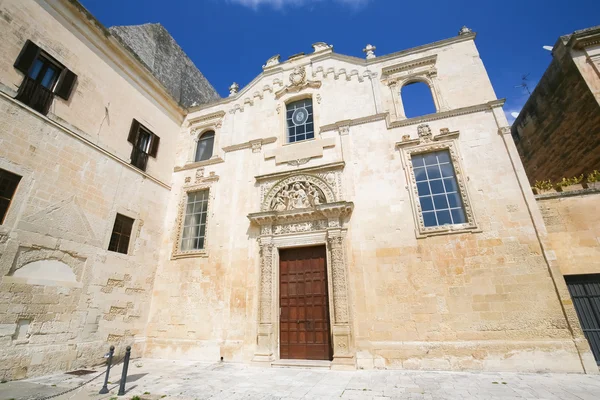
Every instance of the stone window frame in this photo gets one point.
(282, 110)
(177, 253)
(420, 70)
(19, 199)
(198, 127)
(421, 230)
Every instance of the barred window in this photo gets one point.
(440, 200)
(194, 225)
(300, 122)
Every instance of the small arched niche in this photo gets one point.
(417, 99)
(204, 147)
(46, 272)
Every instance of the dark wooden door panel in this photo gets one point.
(585, 292)
(304, 319)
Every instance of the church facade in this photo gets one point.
(303, 219)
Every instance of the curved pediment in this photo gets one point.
(298, 192)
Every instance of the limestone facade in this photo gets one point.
(483, 293)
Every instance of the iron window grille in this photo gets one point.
(300, 122)
(8, 187)
(121, 234)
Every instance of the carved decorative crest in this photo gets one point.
(298, 76)
(424, 132)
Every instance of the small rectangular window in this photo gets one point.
(8, 187)
(145, 144)
(121, 233)
(300, 123)
(194, 224)
(440, 199)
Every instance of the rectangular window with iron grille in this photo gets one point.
(8, 187)
(439, 197)
(194, 223)
(145, 144)
(44, 77)
(121, 234)
(300, 122)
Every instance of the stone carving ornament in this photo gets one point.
(298, 192)
(298, 195)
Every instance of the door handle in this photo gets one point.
(300, 321)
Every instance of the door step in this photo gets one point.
(312, 364)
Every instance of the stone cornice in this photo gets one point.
(248, 144)
(353, 122)
(324, 167)
(204, 118)
(447, 114)
(312, 58)
(198, 164)
(425, 47)
(84, 140)
(416, 120)
(77, 18)
(392, 69)
(328, 210)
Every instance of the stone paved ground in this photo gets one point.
(161, 379)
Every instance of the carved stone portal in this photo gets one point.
(302, 209)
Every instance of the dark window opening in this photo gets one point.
(417, 100)
(145, 144)
(300, 124)
(8, 187)
(119, 240)
(204, 149)
(44, 78)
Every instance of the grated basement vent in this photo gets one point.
(80, 372)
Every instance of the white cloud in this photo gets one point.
(284, 3)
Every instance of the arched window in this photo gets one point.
(204, 149)
(417, 99)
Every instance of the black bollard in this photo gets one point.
(104, 389)
(124, 374)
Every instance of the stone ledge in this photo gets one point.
(571, 193)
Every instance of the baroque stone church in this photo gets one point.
(303, 220)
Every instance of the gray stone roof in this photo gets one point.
(154, 46)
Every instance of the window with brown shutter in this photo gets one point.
(145, 144)
(8, 187)
(44, 78)
(121, 233)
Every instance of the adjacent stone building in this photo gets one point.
(303, 219)
(557, 132)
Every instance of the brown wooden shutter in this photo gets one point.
(154, 145)
(26, 57)
(66, 81)
(133, 132)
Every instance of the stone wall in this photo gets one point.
(573, 223)
(558, 130)
(63, 297)
(157, 49)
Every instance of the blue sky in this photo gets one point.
(230, 40)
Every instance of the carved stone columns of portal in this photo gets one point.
(264, 340)
(343, 356)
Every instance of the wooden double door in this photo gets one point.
(304, 327)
